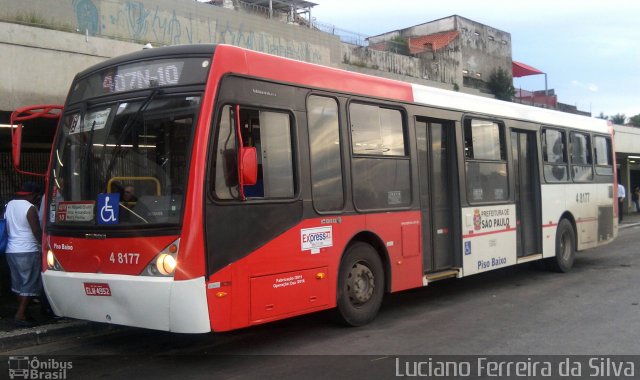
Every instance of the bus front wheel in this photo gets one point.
(360, 285)
(565, 248)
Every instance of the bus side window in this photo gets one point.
(603, 158)
(581, 160)
(270, 133)
(554, 155)
(485, 161)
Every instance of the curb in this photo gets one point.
(623, 226)
(52, 332)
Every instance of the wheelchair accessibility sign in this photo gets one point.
(108, 208)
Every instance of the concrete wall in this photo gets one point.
(55, 39)
(627, 146)
(172, 22)
(484, 48)
(39, 64)
(444, 64)
(478, 50)
(627, 139)
(436, 26)
(382, 61)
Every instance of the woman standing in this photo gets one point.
(24, 250)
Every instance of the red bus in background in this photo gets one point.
(208, 188)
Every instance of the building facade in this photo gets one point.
(455, 50)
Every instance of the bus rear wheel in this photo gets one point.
(565, 248)
(360, 285)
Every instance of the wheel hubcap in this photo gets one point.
(360, 284)
(565, 246)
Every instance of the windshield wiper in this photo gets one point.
(125, 129)
(87, 157)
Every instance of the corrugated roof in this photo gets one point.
(436, 41)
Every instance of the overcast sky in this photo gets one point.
(590, 49)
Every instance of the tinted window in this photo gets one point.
(484, 140)
(270, 133)
(554, 155)
(376, 130)
(602, 153)
(382, 182)
(324, 142)
(581, 157)
(486, 165)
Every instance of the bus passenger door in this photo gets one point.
(527, 192)
(438, 184)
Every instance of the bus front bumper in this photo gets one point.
(158, 303)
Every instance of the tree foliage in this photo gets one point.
(619, 119)
(398, 45)
(501, 84)
(635, 120)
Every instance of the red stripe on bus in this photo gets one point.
(473, 234)
(287, 70)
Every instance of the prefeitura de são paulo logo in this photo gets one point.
(26, 367)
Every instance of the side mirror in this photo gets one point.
(249, 166)
(16, 144)
(24, 114)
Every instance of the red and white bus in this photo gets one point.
(208, 188)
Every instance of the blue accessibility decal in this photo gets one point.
(108, 208)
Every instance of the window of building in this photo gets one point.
(554, 155)
(581, 159)
(270, 133)
(486, 161)
(324, 143)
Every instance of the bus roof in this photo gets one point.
(253, 63)
(257, 64)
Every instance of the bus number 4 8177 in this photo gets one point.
(124, 258)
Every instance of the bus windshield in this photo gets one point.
(123, 163)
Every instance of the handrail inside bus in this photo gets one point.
(134, 179)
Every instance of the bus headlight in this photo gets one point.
(50, 259)
(165, 263)
(52, 262)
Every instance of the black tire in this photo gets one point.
(565, 248)
(360, 285)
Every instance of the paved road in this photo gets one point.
(523, 310)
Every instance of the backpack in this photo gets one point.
(4, 235)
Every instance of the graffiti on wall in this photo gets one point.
(87, 16)
(135, 20)
(133, 16)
